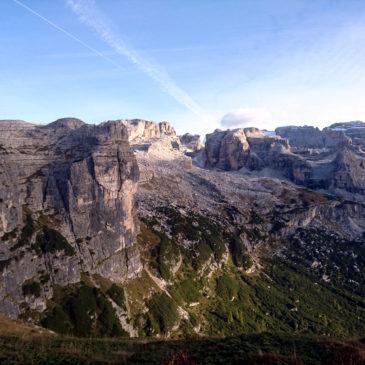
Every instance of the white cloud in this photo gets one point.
(246, 117)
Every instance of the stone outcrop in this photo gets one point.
(140, 129)
(66, 207)
(303, 137)
(354, 131)
(237, 148)
(253, 132)
(349, 172)
(226, 150)
(308, 137)
(191, 142)
(328, 159)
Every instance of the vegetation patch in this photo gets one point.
(162, 314)
(49, 240)
(239, 253)
(31, 288)
(196, 228)
(26, 233)
(255, 218)
(166, 253)
(116, 293)
(138, 291)
(227, 287)
(84, 312)
(187, 291)
(326, 255)
(9, 235)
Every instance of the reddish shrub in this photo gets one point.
(268, 359)
(349, 355)
(180, 358)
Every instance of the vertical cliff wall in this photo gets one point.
(66, 207)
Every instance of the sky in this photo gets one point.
(200, 64)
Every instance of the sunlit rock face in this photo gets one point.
(226, 149)
(140, 129)
(77, 180)
(332, 159)
(237, 148)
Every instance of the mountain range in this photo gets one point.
(125, 229)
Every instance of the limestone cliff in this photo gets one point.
(140, 129)
(331, 159)
(66, 207)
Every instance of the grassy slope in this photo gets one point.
(288, 299)
(287, 296)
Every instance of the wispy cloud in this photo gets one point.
(245, 117)
(89, 14)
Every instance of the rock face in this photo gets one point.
(139, 129)
(253, 132)
(355, 131)
(304, 137)
(308, 137)
(237, 148)
(66, 207)
(191, 142)
(332, 159)
(226, 150)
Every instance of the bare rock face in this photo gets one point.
(253, 132)
(226, 149)
(66, 207)
(328, 159)
(234, 149)
(349, 172)
(191, 142)
(311, 137)
(353, 131)
(307, 136)
(139, 129)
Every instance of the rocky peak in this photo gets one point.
(302, 137)
(347, 125)
(332, 159)
(354, 131)
(253, 132)
(237, 148)
(140, 129)
(335, 136)
(67, 123)
(166, 129)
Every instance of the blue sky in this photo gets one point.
(192, 62)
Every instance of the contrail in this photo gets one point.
(62, 30)
(88, 13)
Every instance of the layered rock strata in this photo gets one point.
(66, 207)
